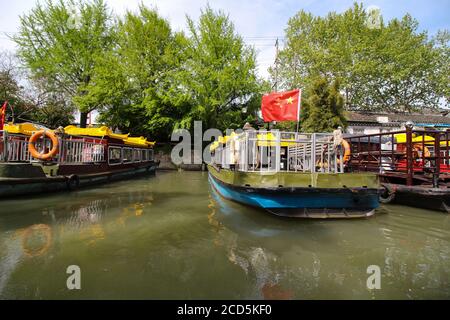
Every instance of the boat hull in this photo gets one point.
(12, 186)
(303, 202)
(437, 199)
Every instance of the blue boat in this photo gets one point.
(291, 174)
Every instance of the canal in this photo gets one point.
(171, 237)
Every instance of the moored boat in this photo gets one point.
(291, 174)
(37, 160)
(413, 165)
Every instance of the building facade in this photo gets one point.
(368, 122)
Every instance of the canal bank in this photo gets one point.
(171, 236)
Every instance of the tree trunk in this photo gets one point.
(83, 119)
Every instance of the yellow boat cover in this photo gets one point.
(401, 138)
(269, 140)
(138, 141)
(214, 146)
(102, 131)
(25, 128)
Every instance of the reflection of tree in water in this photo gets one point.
(88, 213)
(423, 269)
(316, 259)
(86, 220)
(255, 261)
(90, 218)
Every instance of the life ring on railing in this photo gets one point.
(425, 150)
(347, 152)
(43, 156)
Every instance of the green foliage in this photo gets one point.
(31, 103)
(391, 67)
(323, 109)
(139, 79)
(170, 79)
(53, 114)
(64, 48)
(219, 74)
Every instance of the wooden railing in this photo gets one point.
(414, 155)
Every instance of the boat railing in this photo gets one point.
(71, 151)
(417, 156)
(274, 151)
(82, 151)
(14, 148)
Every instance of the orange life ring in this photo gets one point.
(425, 150)
(347, 152)
(35, 137)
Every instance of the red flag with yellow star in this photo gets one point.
(281, 106)
(3, 115)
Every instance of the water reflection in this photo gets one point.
(329, 258)
(254, 261)
(172, 236)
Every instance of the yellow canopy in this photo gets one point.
(102, 131)
(269, 140)
(138, 141)
(401, 138)
(214, 146)
(21, 128)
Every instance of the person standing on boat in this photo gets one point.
(253, 154)
(337, 141)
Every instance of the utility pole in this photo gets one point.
(276, 65)
(269, 125)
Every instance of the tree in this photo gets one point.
(170, 79)
(138, 79)
(220, 73)
(47, 105)
(323, 110)
(390, 67)
(64, 47)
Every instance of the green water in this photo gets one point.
(171, 237)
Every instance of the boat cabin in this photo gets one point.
(409, 157)
(77, 150)
(276, 151)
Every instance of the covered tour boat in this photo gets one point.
(291, 174)
(34, 159)
(413, 165)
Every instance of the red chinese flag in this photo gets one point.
(281, 106)
(3, 115)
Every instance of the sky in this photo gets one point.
(259, 22)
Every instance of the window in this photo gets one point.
(144, 155)
(115, 155)
(127, 155)
(150, 155)
(137, 155)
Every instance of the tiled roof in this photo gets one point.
(435, 118)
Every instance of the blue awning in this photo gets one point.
(434, 125)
